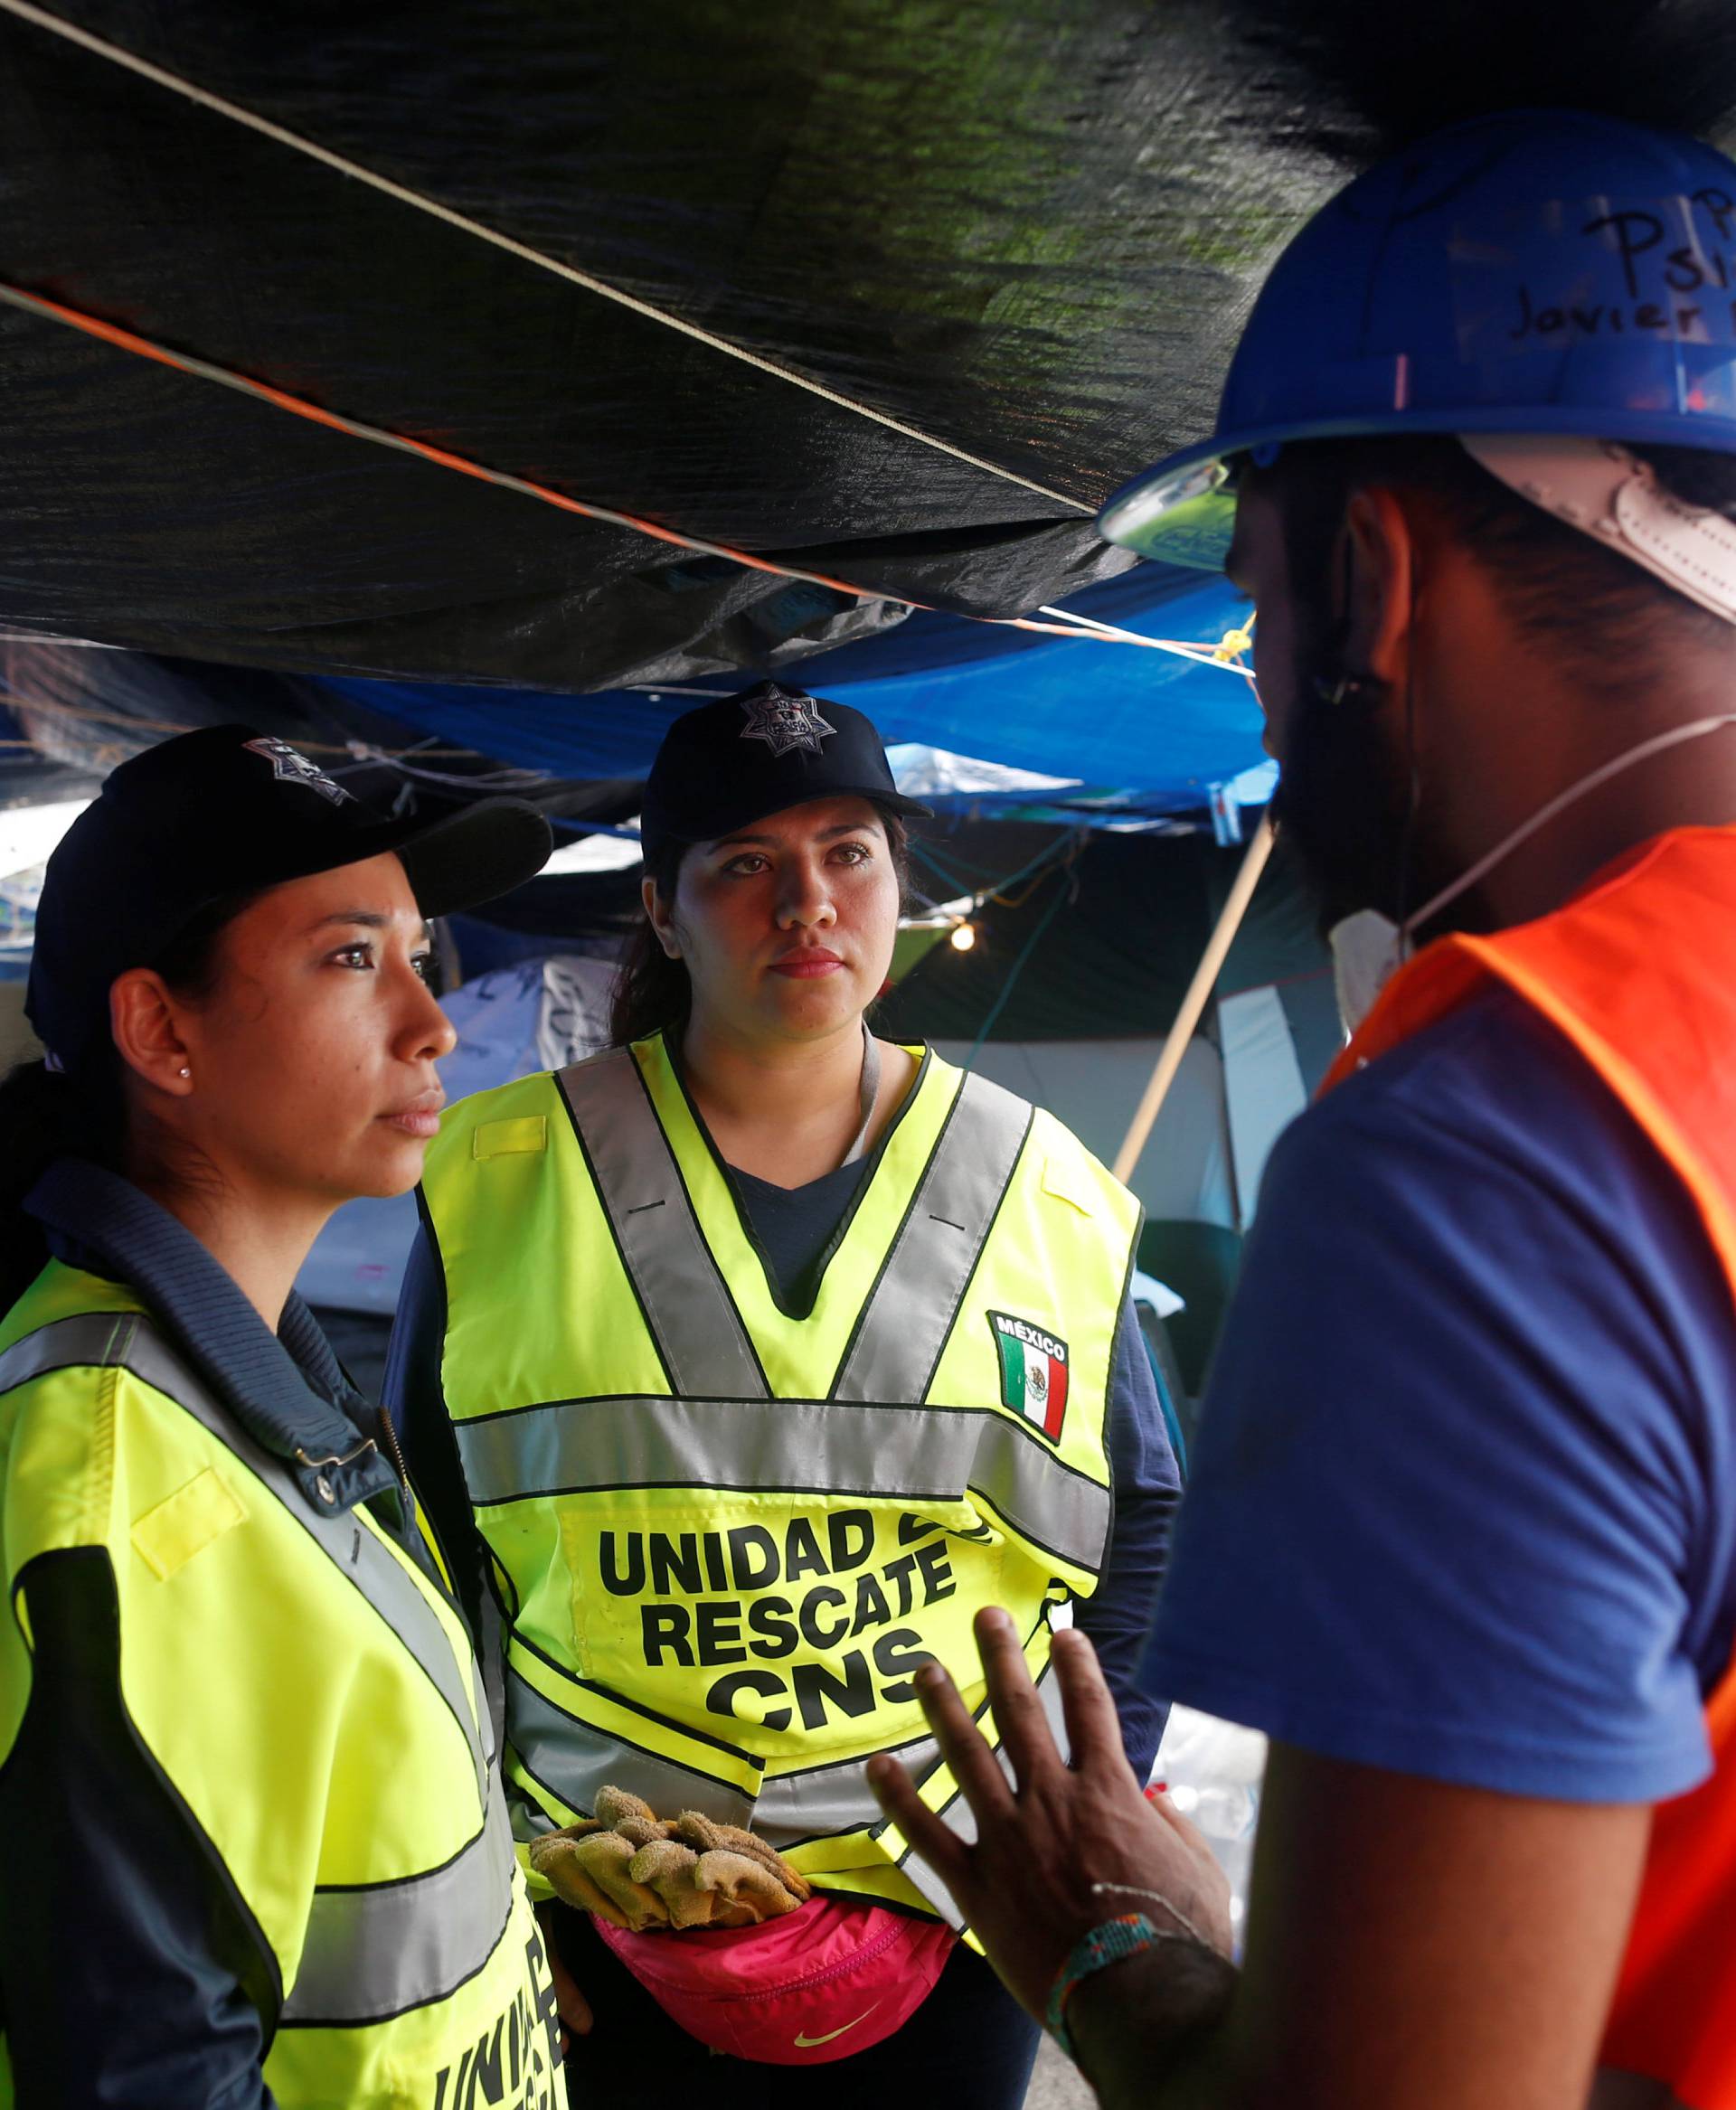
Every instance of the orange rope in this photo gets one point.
(442, 458)
(355, 172)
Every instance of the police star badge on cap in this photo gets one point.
(290, 766)
(786, 720)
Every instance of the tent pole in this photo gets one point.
(1199, 990)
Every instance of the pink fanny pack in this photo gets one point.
(827, 1980)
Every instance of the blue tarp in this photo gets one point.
(1108, 714)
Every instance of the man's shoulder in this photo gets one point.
(1493, 1082)
(1485, 1165)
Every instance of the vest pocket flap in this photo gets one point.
(528, 1132)
(1064, 1181)
(167, 1537)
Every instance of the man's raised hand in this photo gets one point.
(1058, 1850)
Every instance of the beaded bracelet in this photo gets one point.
(1105, 1944)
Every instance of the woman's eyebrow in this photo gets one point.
(368, 919)
(770, 841)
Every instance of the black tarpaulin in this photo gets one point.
(1026, 233)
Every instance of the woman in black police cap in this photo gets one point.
(254, 1848)
(773, 1351)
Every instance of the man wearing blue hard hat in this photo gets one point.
(1461, 1537)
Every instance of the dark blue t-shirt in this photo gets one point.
(1464, 1498)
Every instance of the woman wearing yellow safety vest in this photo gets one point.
(256, 1850)
(767, 1353)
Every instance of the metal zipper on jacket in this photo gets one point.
(406, 1496)
(421, 1543)
(398, 1463)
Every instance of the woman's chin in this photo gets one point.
(391, 1166)
(811, 1008)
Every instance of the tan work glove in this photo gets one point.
(638, 1871)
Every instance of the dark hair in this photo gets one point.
(45, 1115)
(1593, 607)
(651, 992)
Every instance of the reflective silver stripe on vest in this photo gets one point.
(807, 1446)
(689, 1311)
(573, 1761)
(129, 1341)
(903, 1326)
(375, 1950)
(828, 1801)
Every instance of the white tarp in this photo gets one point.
(1263, 1084)
(28, 834)
(1095, 1086)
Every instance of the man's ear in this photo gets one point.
(144, 1019)
(1382, 572)
(662, 917)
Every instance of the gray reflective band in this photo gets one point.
(806, 1446)
(479, 1700)
(904, 1325)
(828, 1801)
(697, 1328)
(374, 1952)
(129, 1341)
(573, 1760)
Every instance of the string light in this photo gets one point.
(964, 936)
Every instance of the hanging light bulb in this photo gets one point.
(964, 936)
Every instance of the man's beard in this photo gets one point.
(1345, 805)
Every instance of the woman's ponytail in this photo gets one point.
(651, 992)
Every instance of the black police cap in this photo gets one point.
(227, 811)
(760, 752)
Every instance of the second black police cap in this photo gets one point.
(222, 812)
(769, 748)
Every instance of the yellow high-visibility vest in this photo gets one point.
(725, 1537)
(312, 1698)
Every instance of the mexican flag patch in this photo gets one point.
(1033, 1371)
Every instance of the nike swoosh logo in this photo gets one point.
(807, 2043)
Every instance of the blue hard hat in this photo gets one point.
(1538, 271)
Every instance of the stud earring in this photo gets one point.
(184, 1072)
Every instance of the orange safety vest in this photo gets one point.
(1639, 973)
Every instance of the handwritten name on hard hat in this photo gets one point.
(1659, 269)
